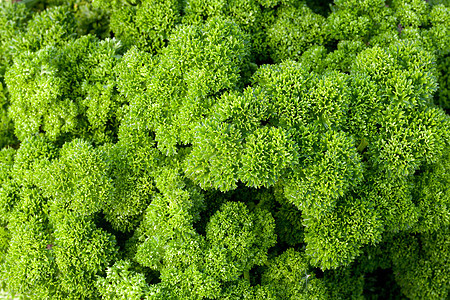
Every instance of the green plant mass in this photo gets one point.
(225, 149)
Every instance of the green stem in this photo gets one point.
(247, 276)
(362, 145)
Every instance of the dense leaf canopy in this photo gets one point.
(225, 149)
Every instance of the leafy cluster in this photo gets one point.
(224, 149)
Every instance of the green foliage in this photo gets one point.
(82, 251)
(178, 98)
(52, 27)
(289, 277)
(214, 159)
(326, 175)
(443, 94)
(360, 19)
(7, 137)
(411, 13)
(122, 283)
(168, 219)
(420, 264)
(336, 238)
(19, 171)
(249, 15)
(342, 58)
(244, 13)
(131, 191)
(345, 283)
(288, 221)
(7, 189)
(29, 267)
(90, 18)
(295, 30)
(76, 181)
(267, 153)
(63, 91)
(243, 290)
(13, 20)
(146, 24)
(302, 99)
(224, 149)
(239, 239)
(439, 17)
(431, 195)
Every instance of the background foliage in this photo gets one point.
(225, 149)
